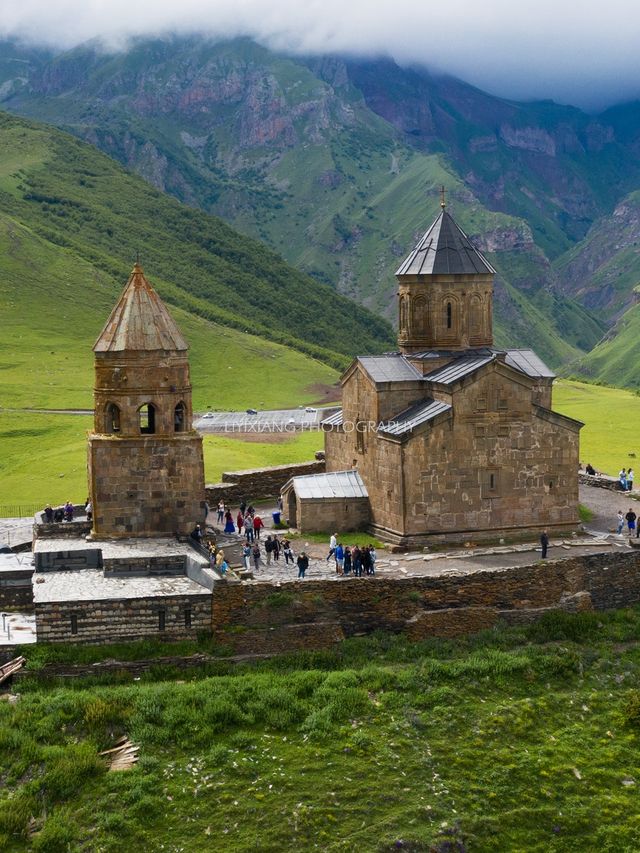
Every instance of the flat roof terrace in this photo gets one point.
(92, 585)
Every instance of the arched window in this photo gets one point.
(449, 315)
(112, 418)
(180, 417)
(420, 322)
(147, 416)
(475, 315)
(404, 320)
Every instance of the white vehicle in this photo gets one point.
(310, 409)
(209, 415)
(291, 421)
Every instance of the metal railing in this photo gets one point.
(20, 510)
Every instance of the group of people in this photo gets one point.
(631, 521)
(274, 548)
(65, 512)
(359, 560)
(248, 522)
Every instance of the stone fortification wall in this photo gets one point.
(112, 621)
(602, 481)
(313, 614)
(258, 483)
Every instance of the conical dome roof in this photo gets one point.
(139, 321)
(445, 250)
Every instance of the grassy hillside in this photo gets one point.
(70, 195)
(520, 739)
(616, 358)
(293, 154)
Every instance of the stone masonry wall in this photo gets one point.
(258, 483)
(266, 617)
(112, 621)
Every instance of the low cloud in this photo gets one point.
(585, 54)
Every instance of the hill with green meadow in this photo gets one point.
(319, 160)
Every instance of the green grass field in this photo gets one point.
(515, 740)
(611, 417)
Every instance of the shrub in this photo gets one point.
(279, 599)
(69, 768)
(56, 835)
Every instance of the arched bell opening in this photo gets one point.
(180, 418)
(111, 418)
(147, 419)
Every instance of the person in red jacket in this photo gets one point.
(257, 526)
(240, 522)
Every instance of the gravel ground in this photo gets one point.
(605, 505)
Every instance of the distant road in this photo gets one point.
(275, 420)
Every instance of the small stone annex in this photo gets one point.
(452, 438)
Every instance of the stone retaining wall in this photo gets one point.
(258, 483)
(293, 615)
(122, 620)
(602, 481)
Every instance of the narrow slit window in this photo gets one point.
(162, 619)
(492, 481)
(187, 618)
(449, 315)
(74, 623)
(147, 415)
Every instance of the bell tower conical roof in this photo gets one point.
(140, 321)
(445, 250)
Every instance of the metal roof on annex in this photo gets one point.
(389, 368)
(140, 321)
(337, 484)
(412, 417)
(445, 250)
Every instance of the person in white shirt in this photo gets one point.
(333, 544)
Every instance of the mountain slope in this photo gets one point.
(77, 198)
(293, 154)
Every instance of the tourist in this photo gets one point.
(257, 526)
(620, 522)
(229, 526)
(277, 547)
(622, 480)
(220, 560)
(339, 558)
(303, 564)
(333, 542)
(255, 553)
(48, 514)
(590, 469)
(68, 511)
(196, 534)
(630, 480)
(58, 514)
(251, 510)
(268, 547)
(246, 555)
(366, 561)
(280, 504)
(544, 541)
(220, 512)
(288, 553)
(347, 561)
(240, 522)
(243, 506)
(88, 509)
(356, 559)
(631, 520)
(374, 557)
(248, 527)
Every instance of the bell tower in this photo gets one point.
(145, 463)
(445, 293)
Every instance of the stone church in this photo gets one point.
(448, 439)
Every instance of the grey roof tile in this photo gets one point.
(445, 249)
(414, 416)
(526, 361)
(333, 420)
(460, 367)
(389, 368)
